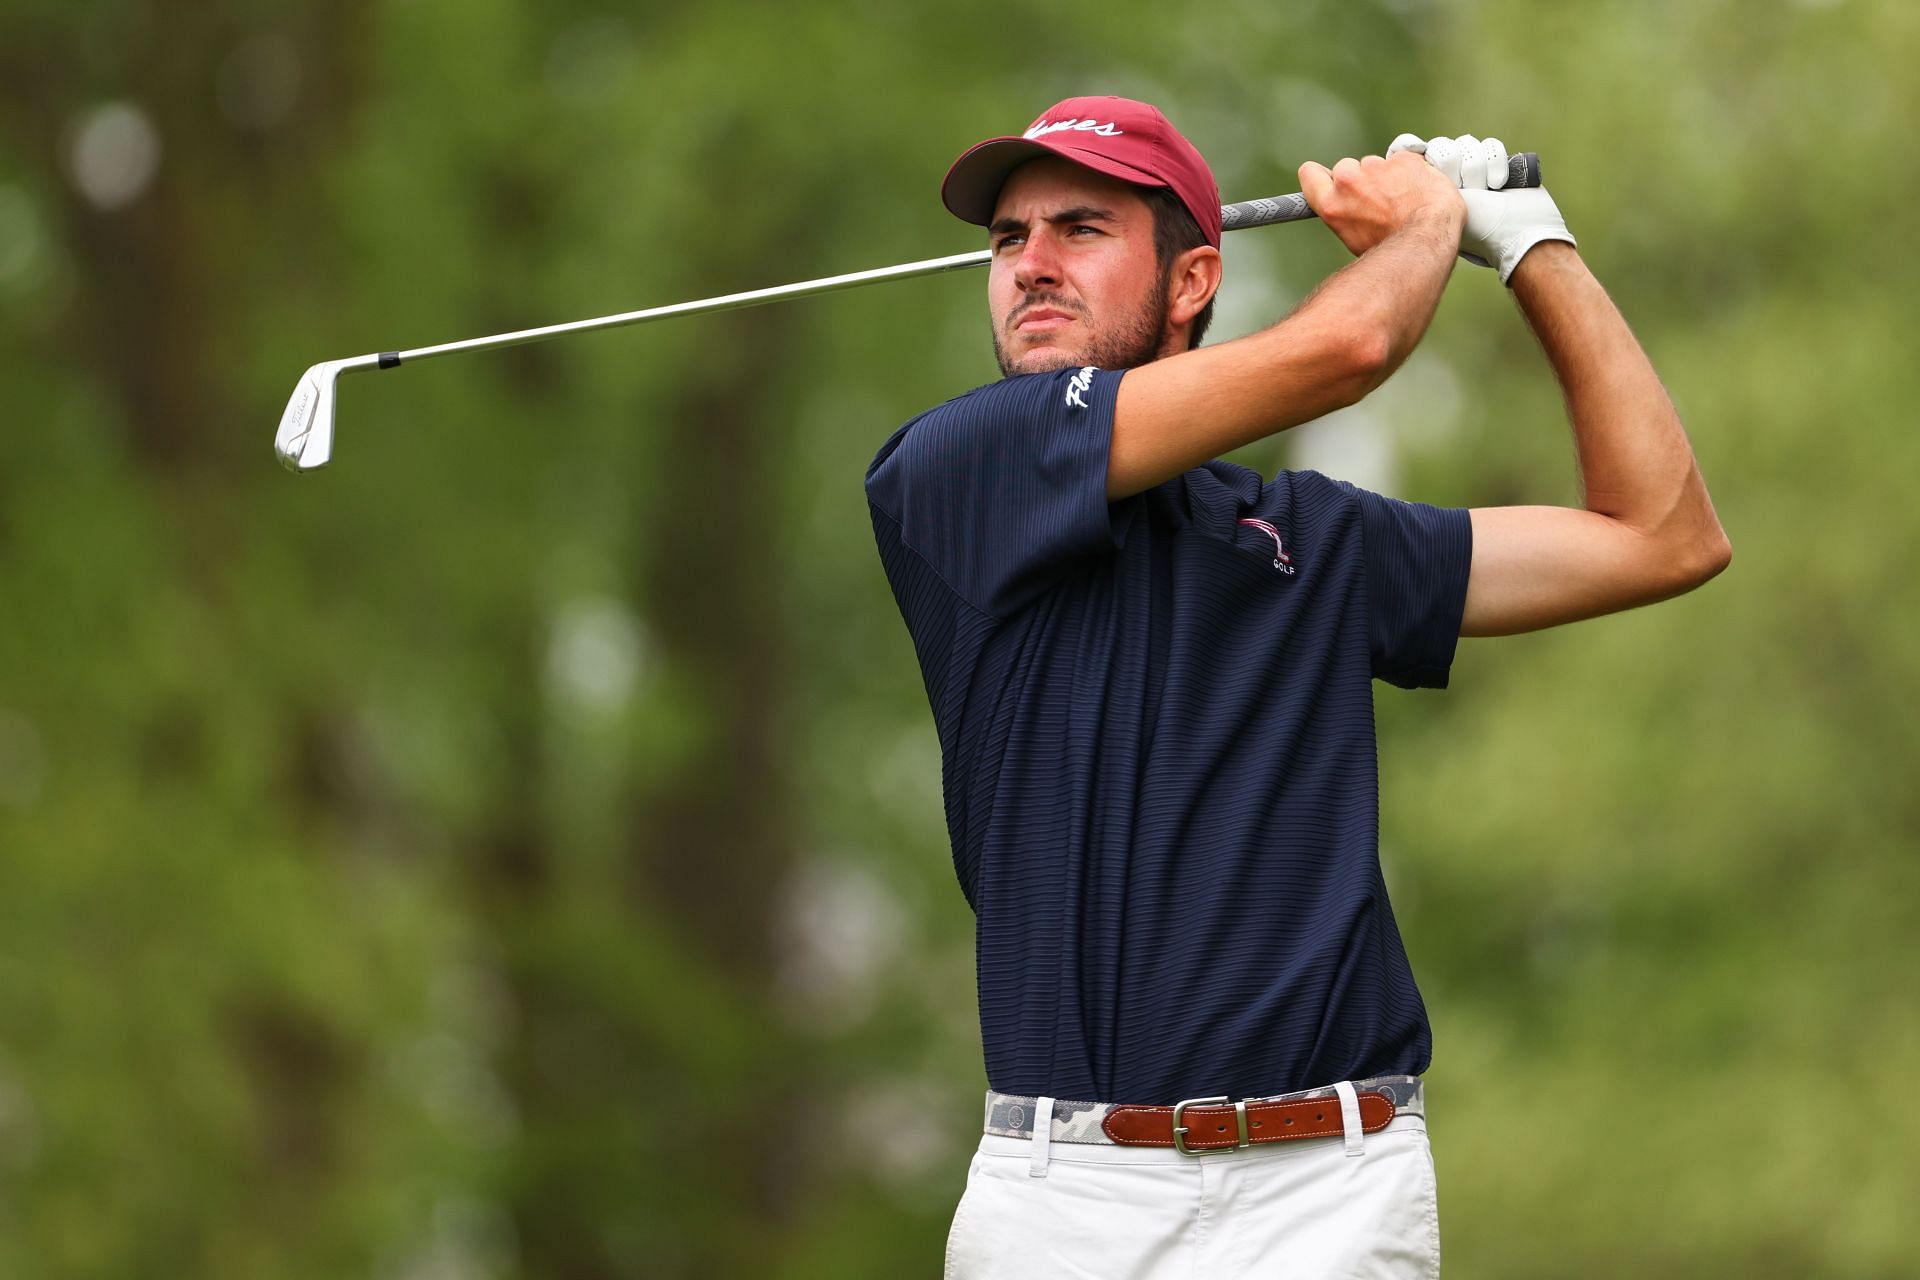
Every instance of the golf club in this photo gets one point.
(305, 438)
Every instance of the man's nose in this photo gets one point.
(1039, 263)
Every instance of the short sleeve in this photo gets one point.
(1005, 488)
(1417, 561)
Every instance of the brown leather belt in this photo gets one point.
(1214, 1124)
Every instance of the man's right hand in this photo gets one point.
(1366, 200)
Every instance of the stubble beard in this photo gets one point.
(1128, 346)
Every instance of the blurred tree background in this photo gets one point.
(517, 851)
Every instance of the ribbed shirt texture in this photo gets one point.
(1157, 742)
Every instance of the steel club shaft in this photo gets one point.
(304, 440)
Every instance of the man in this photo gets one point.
(1151, 674)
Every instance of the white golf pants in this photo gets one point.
(1305, 1209)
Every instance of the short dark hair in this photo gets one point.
(1175, 232)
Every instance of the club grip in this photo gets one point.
(1523, 170)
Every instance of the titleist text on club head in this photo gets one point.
(296, 424)
(305, 438)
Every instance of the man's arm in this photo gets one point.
(1403, 218)
(1648, 530)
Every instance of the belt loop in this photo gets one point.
(1042, 1137)
(1350, 1118)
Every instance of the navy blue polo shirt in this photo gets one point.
(1157, 745)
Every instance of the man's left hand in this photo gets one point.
(1501, 225)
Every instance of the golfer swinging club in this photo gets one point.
(1152, 671)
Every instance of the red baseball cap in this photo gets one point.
(1119, 137)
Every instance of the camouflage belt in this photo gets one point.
(1011, 1116)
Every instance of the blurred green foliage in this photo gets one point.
(517, 850)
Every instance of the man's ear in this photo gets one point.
(1192, 280)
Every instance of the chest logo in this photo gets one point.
(1281, 560)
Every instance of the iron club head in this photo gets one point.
(305, 438)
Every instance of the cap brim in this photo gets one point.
(972, 185)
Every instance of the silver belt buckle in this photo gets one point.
(1180, 1130)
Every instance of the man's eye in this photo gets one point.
(1006, 240)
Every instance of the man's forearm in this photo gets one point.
(1341, 343)
(1636, 465)
(1390, 292)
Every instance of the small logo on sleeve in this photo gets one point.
(1281, 560)
(1077, 388)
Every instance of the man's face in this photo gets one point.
(1074, 280)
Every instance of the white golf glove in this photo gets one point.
(1501, 225)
